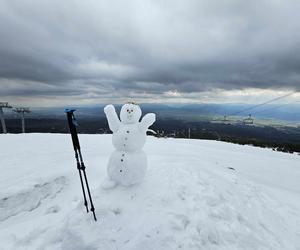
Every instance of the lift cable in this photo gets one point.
(262, 104)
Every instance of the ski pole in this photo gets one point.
(79, 160)
(87, 185)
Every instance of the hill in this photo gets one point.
(197, 194)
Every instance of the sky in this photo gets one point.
(56, 53)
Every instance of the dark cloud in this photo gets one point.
(73, 48)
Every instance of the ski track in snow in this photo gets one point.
(189, 200)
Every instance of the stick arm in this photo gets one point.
(112, 118)
(147, 121)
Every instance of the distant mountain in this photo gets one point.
(189, 112)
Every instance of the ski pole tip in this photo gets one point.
(95, 218)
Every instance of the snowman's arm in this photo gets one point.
(112, 118)
(147, 121)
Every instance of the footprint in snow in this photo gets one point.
(53, 210)
(179, 222)
(31, 199)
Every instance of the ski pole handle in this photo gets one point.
(72, 127)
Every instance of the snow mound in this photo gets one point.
(196, 195)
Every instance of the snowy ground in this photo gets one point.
(190, 199)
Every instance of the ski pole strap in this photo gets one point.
(72, 127)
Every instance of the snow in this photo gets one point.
(190, 198)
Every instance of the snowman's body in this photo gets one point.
(129, 137)
(128, 163)
(127, 168)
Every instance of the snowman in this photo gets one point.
(128, 163)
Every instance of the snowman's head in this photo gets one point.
(130, 113)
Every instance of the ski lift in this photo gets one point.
(223, 120)
(21, 111)
(3, 105)
(248, 121)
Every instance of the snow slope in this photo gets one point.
(190, 199)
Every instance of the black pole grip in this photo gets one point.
(72, 128)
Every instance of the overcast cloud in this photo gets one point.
(108, 51)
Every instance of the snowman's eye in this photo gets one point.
(127, 110)
(132, 110)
